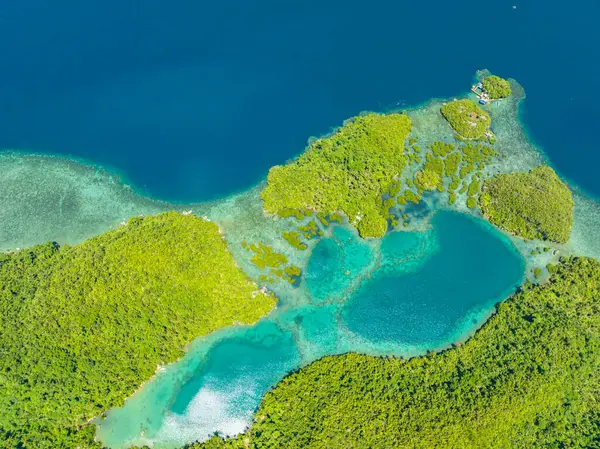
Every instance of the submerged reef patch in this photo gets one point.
(47, 198)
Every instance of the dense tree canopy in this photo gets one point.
(466, 118)
(427, 179)
(346, 172)
(529, 378)
(532, 205)
(496, 87)
(82, 327)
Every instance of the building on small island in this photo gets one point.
(492, 88)
(478, 90)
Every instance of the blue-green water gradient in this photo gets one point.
(195, 100)
(408, 294)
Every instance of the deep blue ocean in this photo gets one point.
(193, 100)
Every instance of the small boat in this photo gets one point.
(482, 101)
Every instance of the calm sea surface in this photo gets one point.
(193, 100)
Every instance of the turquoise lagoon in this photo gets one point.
(407, 294)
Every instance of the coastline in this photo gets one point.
(218, 211)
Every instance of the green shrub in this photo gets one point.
(532, 205)
(427, 180)
(335, 217)
(264, 256)
(451, 197)
(442, 149)
(322, 217)
(292, 270)
(288, 212)
(465, 170)
(310, 230)
(394, 188)
(293, 238)
(454, 184)
(451, 163)
(434, 164)
(412, 197)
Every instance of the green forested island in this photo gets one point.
(532, 205)
(466, 118)
(528, 378)
(84, 326)
(347, 172)
(496, 87)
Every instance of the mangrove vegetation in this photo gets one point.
(347, 172)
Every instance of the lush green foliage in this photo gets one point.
(452, 162)
(293, 238)
(496, 87)
(529, 378)
(427, 179)
(82, 327)
(533, 205)
(466, 118)
(299, 214)
(442, 149)
(347, 172)
(408, 196)
(326, 219)
(472, 192)
(292, 271)
(266, 258)
(310, 230)
(451, 197)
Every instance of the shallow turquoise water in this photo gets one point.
(335, 263)
(470, 271)
(259, 356)
(404, 295)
